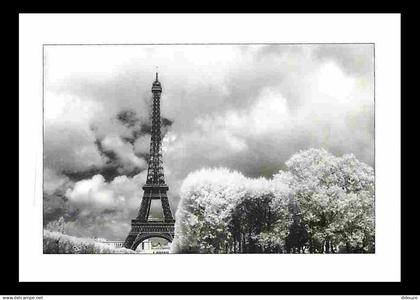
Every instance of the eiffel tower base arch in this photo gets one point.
(141, 231)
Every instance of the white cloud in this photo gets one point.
(95, 194)
(333, 82)
(92, 193)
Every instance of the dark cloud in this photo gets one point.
(128, 118)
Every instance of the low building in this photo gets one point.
(115, 244)
(148, 246)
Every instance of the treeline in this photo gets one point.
(320, 204)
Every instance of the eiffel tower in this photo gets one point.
(155, 188)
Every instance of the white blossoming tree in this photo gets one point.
(335, 197)
(320, 204)
(224, 212)
(205, 211)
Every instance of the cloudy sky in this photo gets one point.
(245, 107)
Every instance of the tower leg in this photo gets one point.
(145, 207)
(166, 209)
(129, 241)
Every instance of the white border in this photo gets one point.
(383, 30)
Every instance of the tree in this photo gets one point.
(56, 226)
(252, 217)
(297, 237)
(335, 197)
(204, 213)
(222, 212)
(273, 237)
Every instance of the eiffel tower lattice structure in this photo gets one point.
(155, 188)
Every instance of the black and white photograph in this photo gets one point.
(209, 148)
(210, 154)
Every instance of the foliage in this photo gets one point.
(320, 204)
(58, 243)
(222, 212)
(208, 198)
(335, 196)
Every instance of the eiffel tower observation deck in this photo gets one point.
(155, 189)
